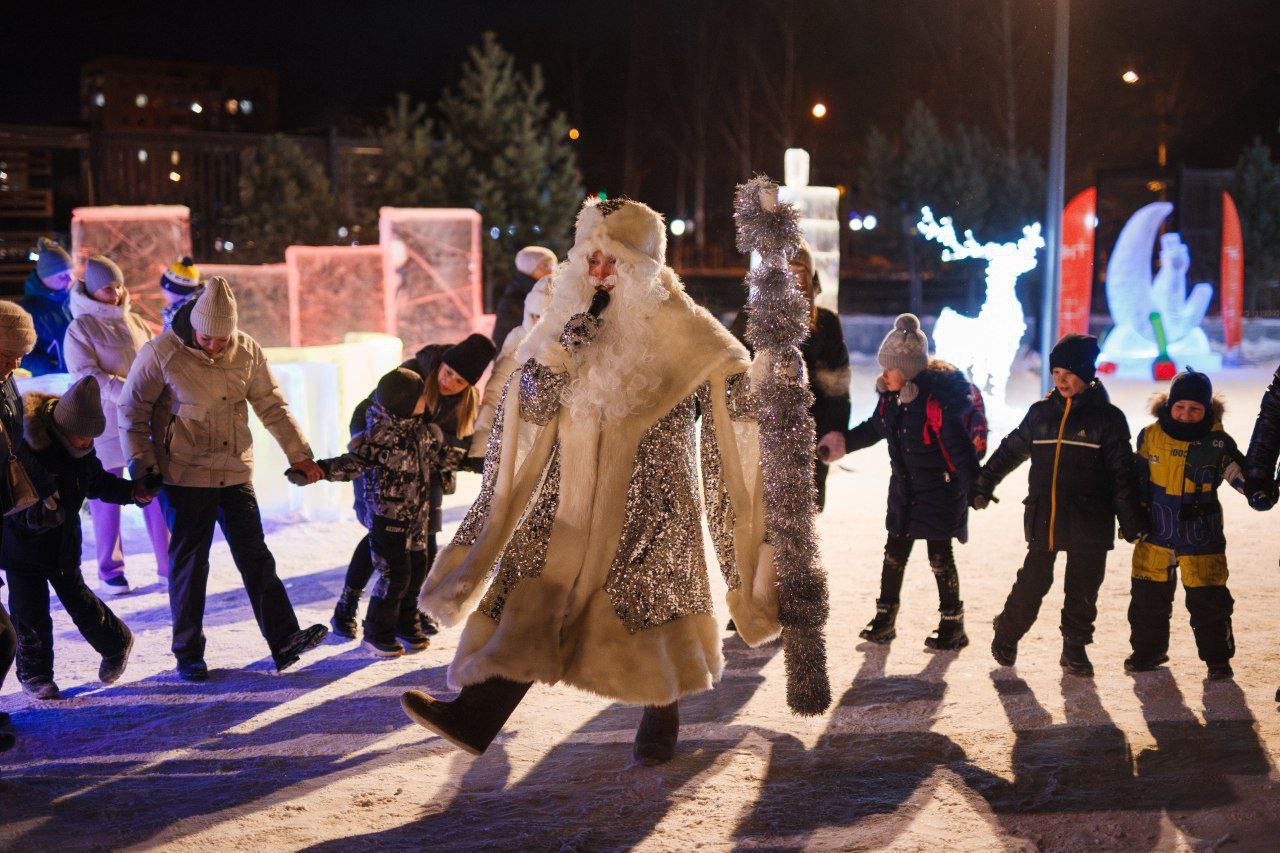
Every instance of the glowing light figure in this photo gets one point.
(819, 222)
(984, 346)
(1133, 294)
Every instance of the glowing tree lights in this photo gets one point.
(984, 346)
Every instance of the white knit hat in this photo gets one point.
(528, 258)
(214, 314)
(905, 349)
(17, 331)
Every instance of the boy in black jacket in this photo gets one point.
(1082, 477)
(59, 431)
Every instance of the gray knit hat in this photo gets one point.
(214, 314)
(905, 349)
(99, 272)
(17, 330)
(52, 258)
(79, 411)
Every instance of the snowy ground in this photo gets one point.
(920, 751)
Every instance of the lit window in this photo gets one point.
(173, 157)
(99, 99)
(141, 100)
(246, 107)
(196, 108)
(142, 155)
(233, 106)
(175, 177)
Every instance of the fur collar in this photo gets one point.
(37, 419)
(82, 304)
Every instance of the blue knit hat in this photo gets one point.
(52, 259)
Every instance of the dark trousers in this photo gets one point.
(8, 644)
(29, 601)
(191, 514)
(1151, 609)
(1084, 573)
(361, 569)
(941, 559)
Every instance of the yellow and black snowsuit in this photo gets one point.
(1180, 479)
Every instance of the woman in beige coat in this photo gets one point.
(102, 341)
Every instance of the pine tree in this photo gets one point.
(285, 200)
(402, 175)
(1256, 190)
(505, 154)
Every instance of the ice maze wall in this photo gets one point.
(143, 241)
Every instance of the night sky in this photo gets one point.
(342, 63)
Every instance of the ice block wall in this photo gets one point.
(143, 240)
(431, 274)
(262, 299)
(819, 222)
(322, 385)
(334, 290)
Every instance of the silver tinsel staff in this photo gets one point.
(777, 323)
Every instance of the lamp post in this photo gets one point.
(1054, 193)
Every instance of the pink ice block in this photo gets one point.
(143, 240)
(431, 274)
(334, 290)
(262, 299)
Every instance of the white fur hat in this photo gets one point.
(535, 304)
(528, 258)
(626, 229)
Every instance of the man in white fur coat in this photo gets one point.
(590, 508)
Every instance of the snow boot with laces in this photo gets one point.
(344, 613)
(881, 627)
(950, 635)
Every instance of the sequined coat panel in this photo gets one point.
(583, 556)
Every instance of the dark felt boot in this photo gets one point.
(473, 718)
(344, 613)
(1075, 661)
(881, 627)
(950, 635)
(657, 735)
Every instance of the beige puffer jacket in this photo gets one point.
(186, 414)
(102, 341)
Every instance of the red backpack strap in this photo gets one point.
(933, 424)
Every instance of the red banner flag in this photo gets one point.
(1079, 220)
(1232, 286)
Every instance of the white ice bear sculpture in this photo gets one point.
(1133, 294)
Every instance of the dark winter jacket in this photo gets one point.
(1082, 472)
(396, 456)
(50, 310)
(510, 309)
(426, 362)
(76, 478)
(11, 418)
(1264, 447)
(827, 357)
(930, 454)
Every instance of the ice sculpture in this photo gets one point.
(1133, 295)
(323, 384)
(984, 346)
(262, 299)
(142, 240)
(431, 274)
(334, 290)
(819, 222)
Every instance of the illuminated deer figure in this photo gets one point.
(984, 346)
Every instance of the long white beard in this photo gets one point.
(615, 377)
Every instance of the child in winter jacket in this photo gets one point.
(59, 432)
(1182, 459)
(933, 461)
(398, 450)
(1082, 477)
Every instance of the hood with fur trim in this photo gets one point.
(1158, 400)
(628, 230)
(37, 419)
(83, 304)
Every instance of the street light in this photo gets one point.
(1130, 76)
(819, 110)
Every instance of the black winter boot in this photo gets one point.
(881, 627)
(112, 666)
(1220, 670)
(298, 644)
(344, 613)
(473, 718)
(411, 634)
(950, 635)
(1075, 661)
(1138, 662)
(656, 737)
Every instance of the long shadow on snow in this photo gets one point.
(179, 761)
(584, 793)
